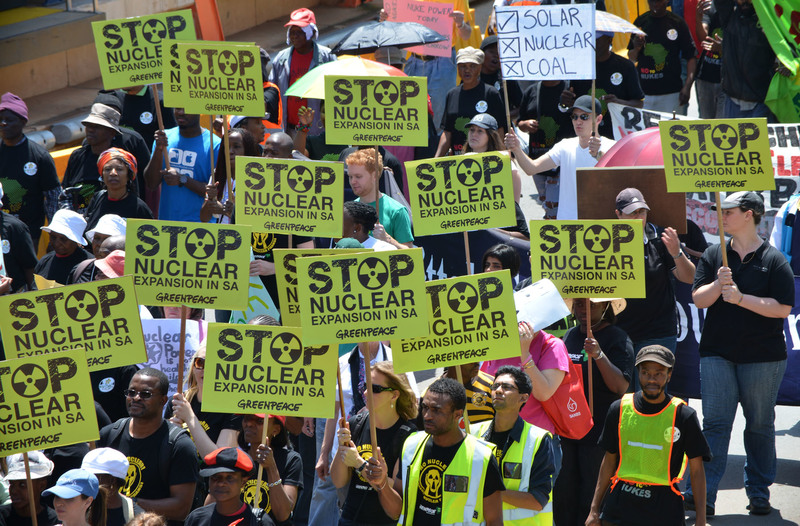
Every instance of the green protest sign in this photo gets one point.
(193, 264)
(290, 197)
(46, 402)
(129, 49)
(353, 298)
(262, 369)
(376, 110)
(464, 192)
(714, 155)
(472, 318)
(100, 317)
(589, 259)
(286, 275)
(216, 78)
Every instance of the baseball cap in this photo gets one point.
(488, 41)
(106, 461)
(484, 120)
(469, 55)
(226, 460)
(73, 483)
(40, 466)
(69, 224)
(630, 200)
(656, 353)
(584, 102)
(747, 200)
(14, 103)
(103, 115)
(301, 18)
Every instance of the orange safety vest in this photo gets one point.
(271, 126)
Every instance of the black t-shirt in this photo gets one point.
(362, 504)
(27, 171)
(10, 517)
(650, 505)
(209, 516)
(541, 102)
(82, 170)
(709, 65)
(59, 268)
(116, 517)
(653, 316)
(735, 333)
(514, 89)
(263, 243)
(107, 388)
(462, 105)
(319, 149)
(618, 348)
(212, 423)
(18, 251)
(128, 207)
(435, 459)
(139, 113)
(290, 468)
(659, 64)
(522, 223)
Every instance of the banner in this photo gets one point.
(216, 78)
(46, 402)
(464, 192)
(589, 259)
(194, 264)
(392, 111)
(286, 274)
(163, 339)
(260, 369)
(716, 155)
(290, 197)
(354, 298)
(433, 15)
(100, 317)
(546, 42)
(129, 49)
(472, 318)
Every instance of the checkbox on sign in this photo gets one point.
(507, 21)
(512, 69)
(510, 48)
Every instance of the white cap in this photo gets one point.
(69, 224)
(106, 461)
(109, 225)
(40, 466)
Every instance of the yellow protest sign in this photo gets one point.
(101, 317)
(129, 49)
(589, 259)
(194, 264)
(472, 318)
(216, 78)
(290, 197)
(353, 298)
(262, 369)
(464, 192)
(376, 110)
(46, 402)
(286, 275)
(714, 155)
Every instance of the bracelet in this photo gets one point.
(303, 129)
(273, 484)
(360, 469)
(384, 485)
(600, 355)
(741, 298)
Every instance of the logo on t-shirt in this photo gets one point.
(146, 117)
(106, 385)
(672, 34)
(430, 480)
(248, 494)
(480, 399)
(482, 106)
(616, 78)
(497, 85)
(133, 481)
(262, 243)
(30, 168)
(668, 432)
(6, 246)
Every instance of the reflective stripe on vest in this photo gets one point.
(471, 458)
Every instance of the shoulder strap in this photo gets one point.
(166, 449)
(127, 509)
(358, 425)
(80, 268)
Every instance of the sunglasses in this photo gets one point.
(199, 363)
(582, 116)
(132, 393)
(378, 389)
(505, 386)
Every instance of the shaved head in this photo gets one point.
(279, 146)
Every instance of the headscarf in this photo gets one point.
(118, 153)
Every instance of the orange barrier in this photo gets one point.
(207, 19)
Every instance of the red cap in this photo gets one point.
(301, 18)
(281, 418)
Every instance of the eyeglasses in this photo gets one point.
(378, 389)
(504, 386)
(582, 116)
(199, 363)
(132, 393)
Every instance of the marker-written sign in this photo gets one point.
(546, 42)
(433, 15)
(46, 402)
(194, 264)
(290, 197)
(464, 192)
(376, 110)
(260, 369)
(472, 318)
(362, 297)
(216, 77)
(286, 274)
(716, 155)
(100, 317)
(129, 49)
(589, 259)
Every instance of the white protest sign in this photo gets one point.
(540, 304)
(163, 340)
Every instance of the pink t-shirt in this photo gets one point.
(548, 352)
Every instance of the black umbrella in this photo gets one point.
(369, 37)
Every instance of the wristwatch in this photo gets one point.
(680, 254)
(361, 467)
(183, 179)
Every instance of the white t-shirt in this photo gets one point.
(569, 155)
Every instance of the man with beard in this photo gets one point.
(647, 437)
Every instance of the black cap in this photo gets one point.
(630, 200)
(226, 460)
(747, 200)
(488, 41)
(656, 353)
(584, 102)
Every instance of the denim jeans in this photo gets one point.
(734, 111)
(324, 506)
(441, 73)
(724, 385)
